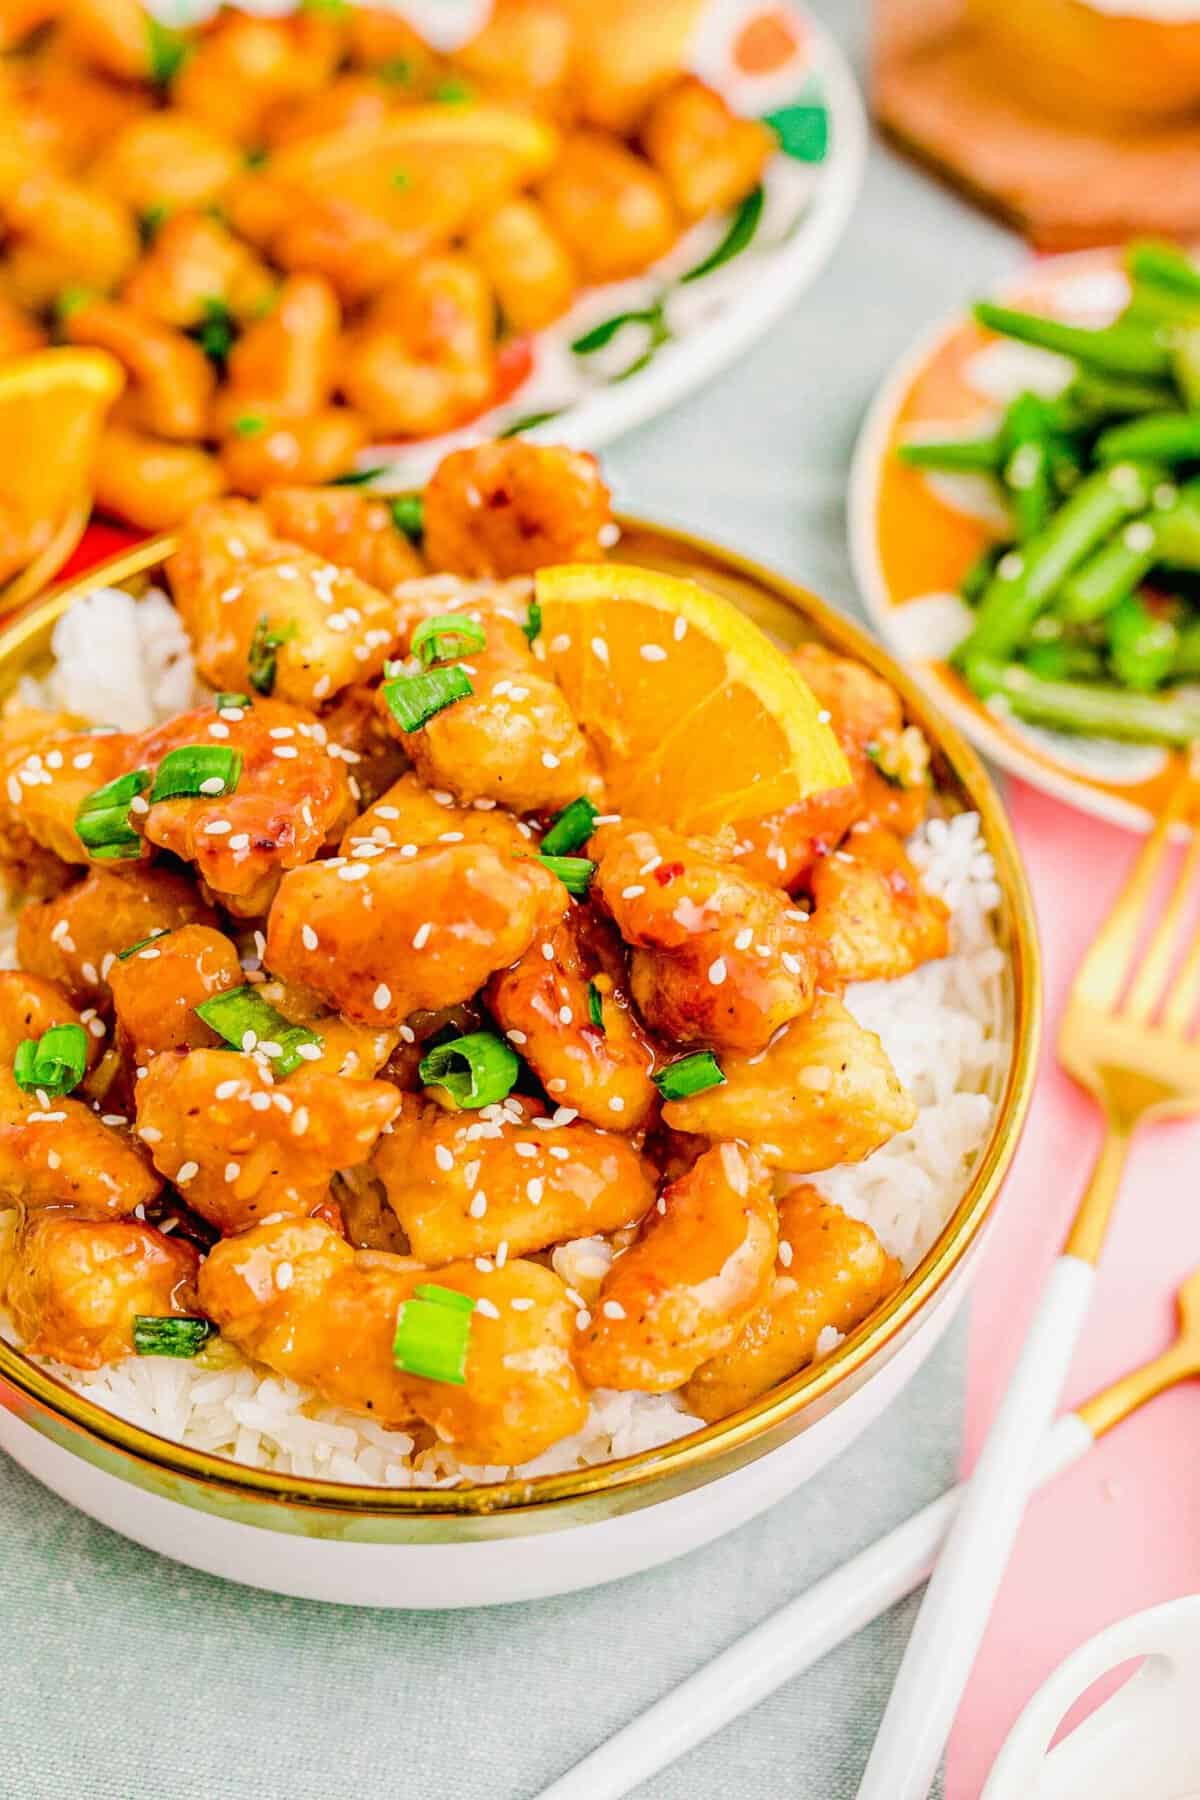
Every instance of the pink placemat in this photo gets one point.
(1122, 1530)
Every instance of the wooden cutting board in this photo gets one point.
(936, 91)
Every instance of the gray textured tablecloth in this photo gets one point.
(124, 1677)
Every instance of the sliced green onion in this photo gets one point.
(249, 425)
(132, 949)
(595, 1006)
(533, 623)
(195, 771)
(245, 1020)
(476, 1070)
(433, 1334)
(415, 699)
(571, 828)
(449, 635)
(408, 516)
(172, 1336)
(575, 872)
(216, 336)
(690, 1075)
(56, 1062)
(102, 819)
(261, 661)
(224, 702)
(359, 477)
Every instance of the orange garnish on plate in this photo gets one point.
(698, 719)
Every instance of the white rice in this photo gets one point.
(944, 1027)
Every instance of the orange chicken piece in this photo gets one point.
(171, 381)
(164, 160)
(243, 67)
(350, 528)
(409, 814)
(708, 157)
(508, 508)
(611, 210)
(530, 270)
(156, 990)
(76, 938)
(62, 1154)
(872, 917)
(285, 362)
(151, 484)
(269, 446)
(422, 361)
(195, 270)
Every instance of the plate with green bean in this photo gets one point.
(1025, 523)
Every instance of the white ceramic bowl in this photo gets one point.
(522, 1539)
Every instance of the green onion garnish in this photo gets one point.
(249, 425)
(575, 872)
(102, 820)
(216, 336)
(132, 949)
(476, 1070)
(261, 658)
(449, 635)
(533, 622)
(433, 1333)
(223, 702)
(690, 1075)
(154, 1336)
(571, 828)
(245, 1020)
(415, 699)
(595, 1006)
(55, 1062)
(195, 771)
(408, 516)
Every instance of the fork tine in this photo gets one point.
(1156, 964)
(1103, 971)
(1185, 990)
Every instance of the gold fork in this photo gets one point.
(1127, 1037)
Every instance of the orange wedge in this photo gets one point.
(53, 405)
(697, 718)
(428, 170)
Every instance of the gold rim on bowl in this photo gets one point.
(788, 611)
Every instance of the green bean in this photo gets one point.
(974, 583)
(1026, 580)
(1090, 708)
(1178, 530)
(1111, 573)
(1093, 397)
(1168, 437)
(973, 456)
(1060, 661)
(1141, 647)
(1164, 266)
(1185, 362)
(1187, 652)
(1027, 467)
(1119, 349)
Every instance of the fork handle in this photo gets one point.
(959, 1598)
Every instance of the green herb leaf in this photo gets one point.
(232, 702)
(249, 425)
(476, 1070)
(447, 636)
(433, 1334)
(742, 228)
(197, 771)
(132, 949)
(56, 1062)
(102, 819)
(575, 872)
(595, 1006)
(803, 131)
(172, 1336)
(245, 1020)
(528, 421)
(71, 300)
(358, 477)
(571, 828)
(413, 700)
(693, 1074)
(217, 334)
(603, 334)
(533, 621)
(408, 516)
(452, 93)
(167, 51)
(261, 659)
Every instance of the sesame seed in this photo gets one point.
(488, 1308)
(218, 729)
(84, 760)
(13, 787)
(353, 871)
(138, 805)
(501, 1253)
(225, 1090)
(535, 1188)
(548, 952)
(560, 643)
(407, 1034)
(744, 938)
(421, 936)
(526, 1149)
(632, 893)
(285, 751)
(185, 1172)
(679, 630)
(565, 1015)
(556, 1085)
(653, 653)
(549, 760)
(53, 1159)
(308, 937)
(282, 731)
(284, 1275)
(785, 1254)
(521, 1303)
(484, 1265)
(559, 1153)
(443, 1157)
(269, 1047)
(249, 1041)
(213, 784)
(583, 1319)
(300, 1121)
(232, 1171)
(717, 971)
(516, 1037)
(382, 996)
(387, 812)
(600, 649)
(217, 828)
(612, 1309)
(89, 972)
(260, 1102)
(791, 963)
(616, 1104)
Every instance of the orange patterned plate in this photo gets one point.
(913, 534)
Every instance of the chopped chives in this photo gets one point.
(242, 1013)
(261, 660)
(449, 635)
(595, 1006)
(433, 1334)
(575, 872)
(408, 516)
(195, 771)
(56, 1062)
(476, 1070)
(571, 828)
(533, 623)
(132, 949)
(223, 702)
(102, 819)
(415, 699)
(693, 1074)
(171, 1336)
